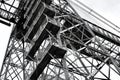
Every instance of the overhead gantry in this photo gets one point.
(50, 41)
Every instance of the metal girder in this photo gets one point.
(89, 49)
(11, 10)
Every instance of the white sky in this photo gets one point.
(110, 9)
(4, 37)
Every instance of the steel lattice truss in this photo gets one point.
(11, 11)
(54, 43)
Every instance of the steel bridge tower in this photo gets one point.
(50, 41)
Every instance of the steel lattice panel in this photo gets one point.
(54, 43)
(11, 11)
